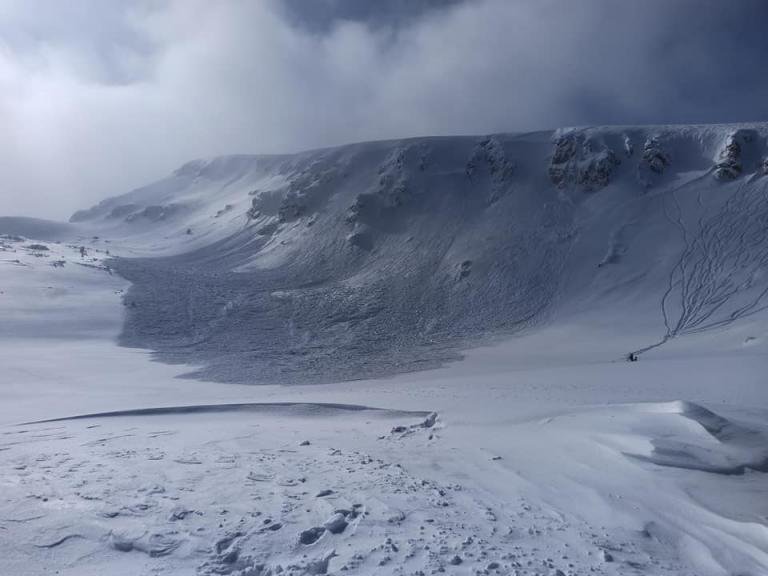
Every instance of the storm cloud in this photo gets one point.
(99, 97)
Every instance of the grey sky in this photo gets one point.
(99, 96)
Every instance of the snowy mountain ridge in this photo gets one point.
(380, 257)
(584, 157)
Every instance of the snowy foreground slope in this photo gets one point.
(551, 255)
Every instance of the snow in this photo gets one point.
(541, 452)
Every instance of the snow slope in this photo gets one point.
(377, 258)
(558, 252)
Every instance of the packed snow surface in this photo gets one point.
(541, 261)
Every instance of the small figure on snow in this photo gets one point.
(632, 357)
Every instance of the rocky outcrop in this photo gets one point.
(154, 213)
(291, 208)
(392, 186)
(736, 150)
(654, 161)
(227, 208)
(596, 172)
(123, 210)
(562, 157)
(489, 153)
(390, 191)
(654, 156)
(730, 166)
(305, 188)
(130, 212)
(582, 162)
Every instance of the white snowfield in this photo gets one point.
(439, 329)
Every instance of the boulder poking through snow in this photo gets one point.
(311, 535)
(336, 524)
(465, 268)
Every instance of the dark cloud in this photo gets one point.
(322, 15)
(97, 97)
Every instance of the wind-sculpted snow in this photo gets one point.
(385, 257)
(290, 408)
(726, 448)
(299, 489)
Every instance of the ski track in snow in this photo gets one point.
(719, 278)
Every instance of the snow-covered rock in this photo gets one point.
(739, 148)
(580, 160)
(654, 155)
(489, 155)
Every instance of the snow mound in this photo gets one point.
(286, 408)
(726, 448)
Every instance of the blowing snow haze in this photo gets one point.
(99, 97)
(467, 287)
